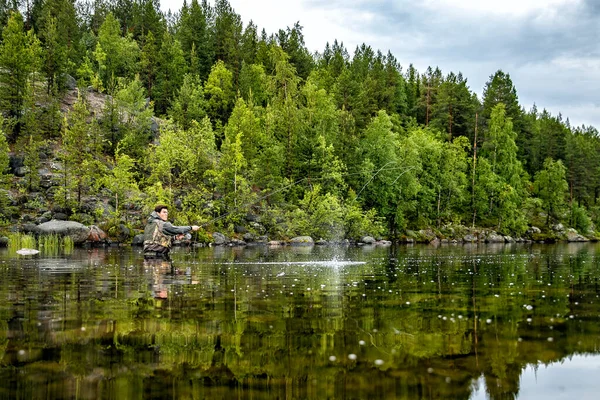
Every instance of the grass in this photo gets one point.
(48, 244)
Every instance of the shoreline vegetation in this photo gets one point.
(109, 108)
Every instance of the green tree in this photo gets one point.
(501, 150)
(183, 157)
(19, 60)
(500, 89)
(54, 63)
(149, 62)
(134, 120)
(189, 105)
(455, 108)
(550, 186)
(219, 94)
(121, 182)
(253, 84)
(194, 32)
(116, 56)
(171, 68)
(80, 155)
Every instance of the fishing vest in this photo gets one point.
(153, 235)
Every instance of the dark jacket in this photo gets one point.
(158, 234)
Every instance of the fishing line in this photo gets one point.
(243, 206)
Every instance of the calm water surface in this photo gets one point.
(457, 322)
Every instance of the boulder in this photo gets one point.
(368, 240)
(60, 216)
(219, 239)
(237, 242)
(573, 236)
(302, 241)
(321, 242)
(3, 241)
(470, 238)
(138, 240)
(78, 232)
(97, 235)
(493, 237)
(533, 230)
(70, 82)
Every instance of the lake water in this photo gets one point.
(456, 322)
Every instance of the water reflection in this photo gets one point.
(400, 322)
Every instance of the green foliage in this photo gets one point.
(4, 158)
(121, 182)
(182, 157)
(550, 186)
(134, 120)
(580, 219)
(219, 93)
(80, 155)
(18, 241)
(189, 104)
(19, 60)
(320, 216)
(116, 56)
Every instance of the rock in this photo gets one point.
(573, 236)
(29, 228)
(384, 243)
(41, 220)
(558, 228)
(248, 237)
(470, 238)
(15, 162)
(274, 243)
(427, 235)
(27, 252)
(3, 241)
(78, 232)
(123, 233)
(60, 216)
(20, 172)
(533, 230)
(239, 229)
(302, 241)
(97, 235)
(509, 239)
(368, 240)
(262, 239)
(237, 242)
(70, 82)
(252, 218)
(219, 239)
(138, 240)
(154, 128)
(493, 237)
(321, 242)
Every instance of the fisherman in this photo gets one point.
(159, 233)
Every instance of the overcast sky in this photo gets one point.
(550, 48)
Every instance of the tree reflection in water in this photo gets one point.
(399, 322)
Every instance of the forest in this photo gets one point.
(233, 126)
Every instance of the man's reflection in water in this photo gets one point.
(165, 275)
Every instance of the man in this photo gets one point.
(159, 233)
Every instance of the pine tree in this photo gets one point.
(19, 60)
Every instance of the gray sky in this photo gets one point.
(550, 48)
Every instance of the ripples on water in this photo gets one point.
(399, 322)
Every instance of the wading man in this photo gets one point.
(159, 233)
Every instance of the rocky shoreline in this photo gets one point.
(93, 235)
